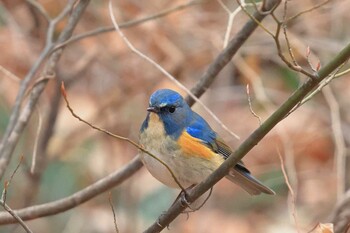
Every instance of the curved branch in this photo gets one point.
(77, 198)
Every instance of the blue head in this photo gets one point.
(172, 110)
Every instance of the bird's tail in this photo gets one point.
(243, 178)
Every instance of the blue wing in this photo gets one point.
(200, 129)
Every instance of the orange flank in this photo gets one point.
(192, 146)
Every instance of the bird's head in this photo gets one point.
(171, 109)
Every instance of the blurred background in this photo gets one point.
(109, 86)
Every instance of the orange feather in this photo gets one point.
(192, 146)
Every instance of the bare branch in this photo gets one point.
(232, 15)
(128, 24)
(250, 105)
(306, 11)
(40, 9)
(338, 138)
(36, 141)
(7, 183)
(19, 119)
(226, 55)
(284, 28)
(114, 217)
(3, 200)
(64, 204)
(250, 142)
(9, 74)
(291, 191)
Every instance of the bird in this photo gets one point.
(185, 142)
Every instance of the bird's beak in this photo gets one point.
(153, 109)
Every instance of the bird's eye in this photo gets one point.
(172, 109)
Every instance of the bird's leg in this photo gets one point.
(201, 205)
(182, 196)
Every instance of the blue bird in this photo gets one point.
(186, 143)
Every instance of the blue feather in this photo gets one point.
(200, 129)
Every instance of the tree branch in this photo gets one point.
(19, 119)
(166, 218)
(77, 198)
(226, 55)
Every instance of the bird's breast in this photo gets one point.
(154, 139)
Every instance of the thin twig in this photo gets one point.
(8, 182)
(232, 15)
(3, 199)
(250, 105)
(319, 88)
(166, 73)
(114, 216)
(275, 36)
(254, 19)
(338, 138)
(342, 73)
(226, 55)
(9, 74)
(291, 191)
(306, 11)
(36, 140)
(128, 24)
(284, 28)
(314, 69)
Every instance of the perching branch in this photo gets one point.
(166, 218)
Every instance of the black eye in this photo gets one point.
(172, 109)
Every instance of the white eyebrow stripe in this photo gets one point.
(163, 105)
